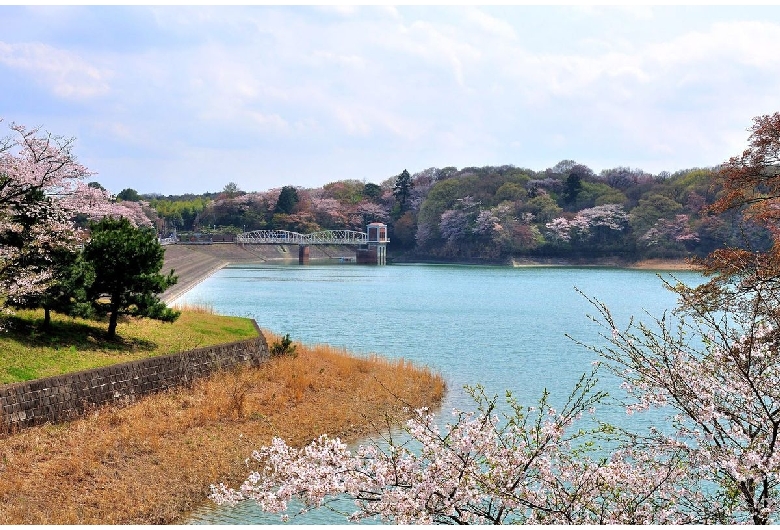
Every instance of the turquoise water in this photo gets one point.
(502, 327)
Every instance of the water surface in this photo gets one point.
(504, 328)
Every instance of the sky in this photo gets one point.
(177, 100)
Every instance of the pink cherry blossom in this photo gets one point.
(33, 161)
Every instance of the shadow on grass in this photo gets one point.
(64, 334)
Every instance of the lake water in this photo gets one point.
(501, 327)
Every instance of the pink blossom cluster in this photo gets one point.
(560, 229)
(481, 469)
(454, 225)
(677, 229)
(28, 269)
(606, 216)
(31, 162)
(495, 220)
(488, 223)
(334, 214)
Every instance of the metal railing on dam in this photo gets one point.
(285, 237)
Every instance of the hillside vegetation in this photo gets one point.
(492, 213)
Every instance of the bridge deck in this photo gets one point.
(284, 237)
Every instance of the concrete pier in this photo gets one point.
(303, 254)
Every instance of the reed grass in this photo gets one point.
(151, 462)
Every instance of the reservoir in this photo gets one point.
(504, 328)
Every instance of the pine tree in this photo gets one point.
(127, 261)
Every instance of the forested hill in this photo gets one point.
(490, 213)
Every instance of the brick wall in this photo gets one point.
(64, 397)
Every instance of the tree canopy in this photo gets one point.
(126, 261)
(43, 199)
(287, 200)
(128, 194)
(513, 212)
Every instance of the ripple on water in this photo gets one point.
(499, 326)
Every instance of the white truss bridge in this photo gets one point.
(284, 237)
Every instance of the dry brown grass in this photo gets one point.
(152, 462)
(201, 309)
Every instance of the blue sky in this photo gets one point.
(186, 99)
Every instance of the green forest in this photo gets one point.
(488, 214)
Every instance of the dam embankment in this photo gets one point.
(194, 263)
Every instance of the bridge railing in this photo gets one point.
(285, 237)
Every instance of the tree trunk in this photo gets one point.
(46, 318)
(112, 324)
(112, 320)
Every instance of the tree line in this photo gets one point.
(493, 213)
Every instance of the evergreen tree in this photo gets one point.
(571, 190)
(402, 190)
(128, 194)
(127, 261)
(288, 198)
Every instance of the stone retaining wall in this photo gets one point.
(64, 397)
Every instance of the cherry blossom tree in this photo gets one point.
(531, 465)
(38, 237)
(589, 224)
(42, 250)
(34, 166)
(42, 191)
(488, 223)
(31, 160)
(502, 230)
(330, 213)
(716, 365)
(670, 234)
(454, 225)
(370, 212)
(559, 229)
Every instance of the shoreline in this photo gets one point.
(152, 462)
(665, 265)
(194, 264)
(646, 264)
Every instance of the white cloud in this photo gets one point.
(343, 10)
(273, 122)
(437, 46)
(66, 74)
(355, 92)
(351, 61)
(496, 26)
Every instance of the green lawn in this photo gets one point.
(72, 344)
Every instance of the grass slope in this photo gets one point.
(28, 352)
